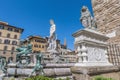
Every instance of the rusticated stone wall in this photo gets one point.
(107, 14)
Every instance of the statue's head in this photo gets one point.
(51, 22)
(84, 9)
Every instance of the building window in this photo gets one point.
(4, 52)
(1, 27)
(0, 33)
(8, 35)
(40, 41)
(39, 46)
(42, 46)
(15, 36)
(13, 48)
(0, 40)
(16, 30)
(5, 48)
(36, 51)
(14, 42)
(7, 41)
(10, 29)
(35, 45)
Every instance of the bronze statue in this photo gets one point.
(24, 50)
(38, 67)
(3, 64)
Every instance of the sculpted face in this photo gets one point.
(84, 9)
(51, 22)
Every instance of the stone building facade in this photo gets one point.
(107, 14)
(39, 44)
(9, 40)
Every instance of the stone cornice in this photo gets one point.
(91, 42)
(89, 32)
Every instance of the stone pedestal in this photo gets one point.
(89, 73)
(92, 55)
(55, 55)
(50, 70)
(24, 68)
(91, 47)
(24, 71)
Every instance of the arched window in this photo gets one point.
(13, 48)
(14, 42)
(6, 41)
(42, 46)
(5, 48)
(39, 46)
(36, 45)
(15, 36)
(8, 35)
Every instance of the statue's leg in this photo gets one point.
(4, 70)
(42, 72)
(18, 58)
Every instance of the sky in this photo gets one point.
(34, 16)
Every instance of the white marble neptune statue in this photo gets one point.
(52, 28)
(52, 38)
